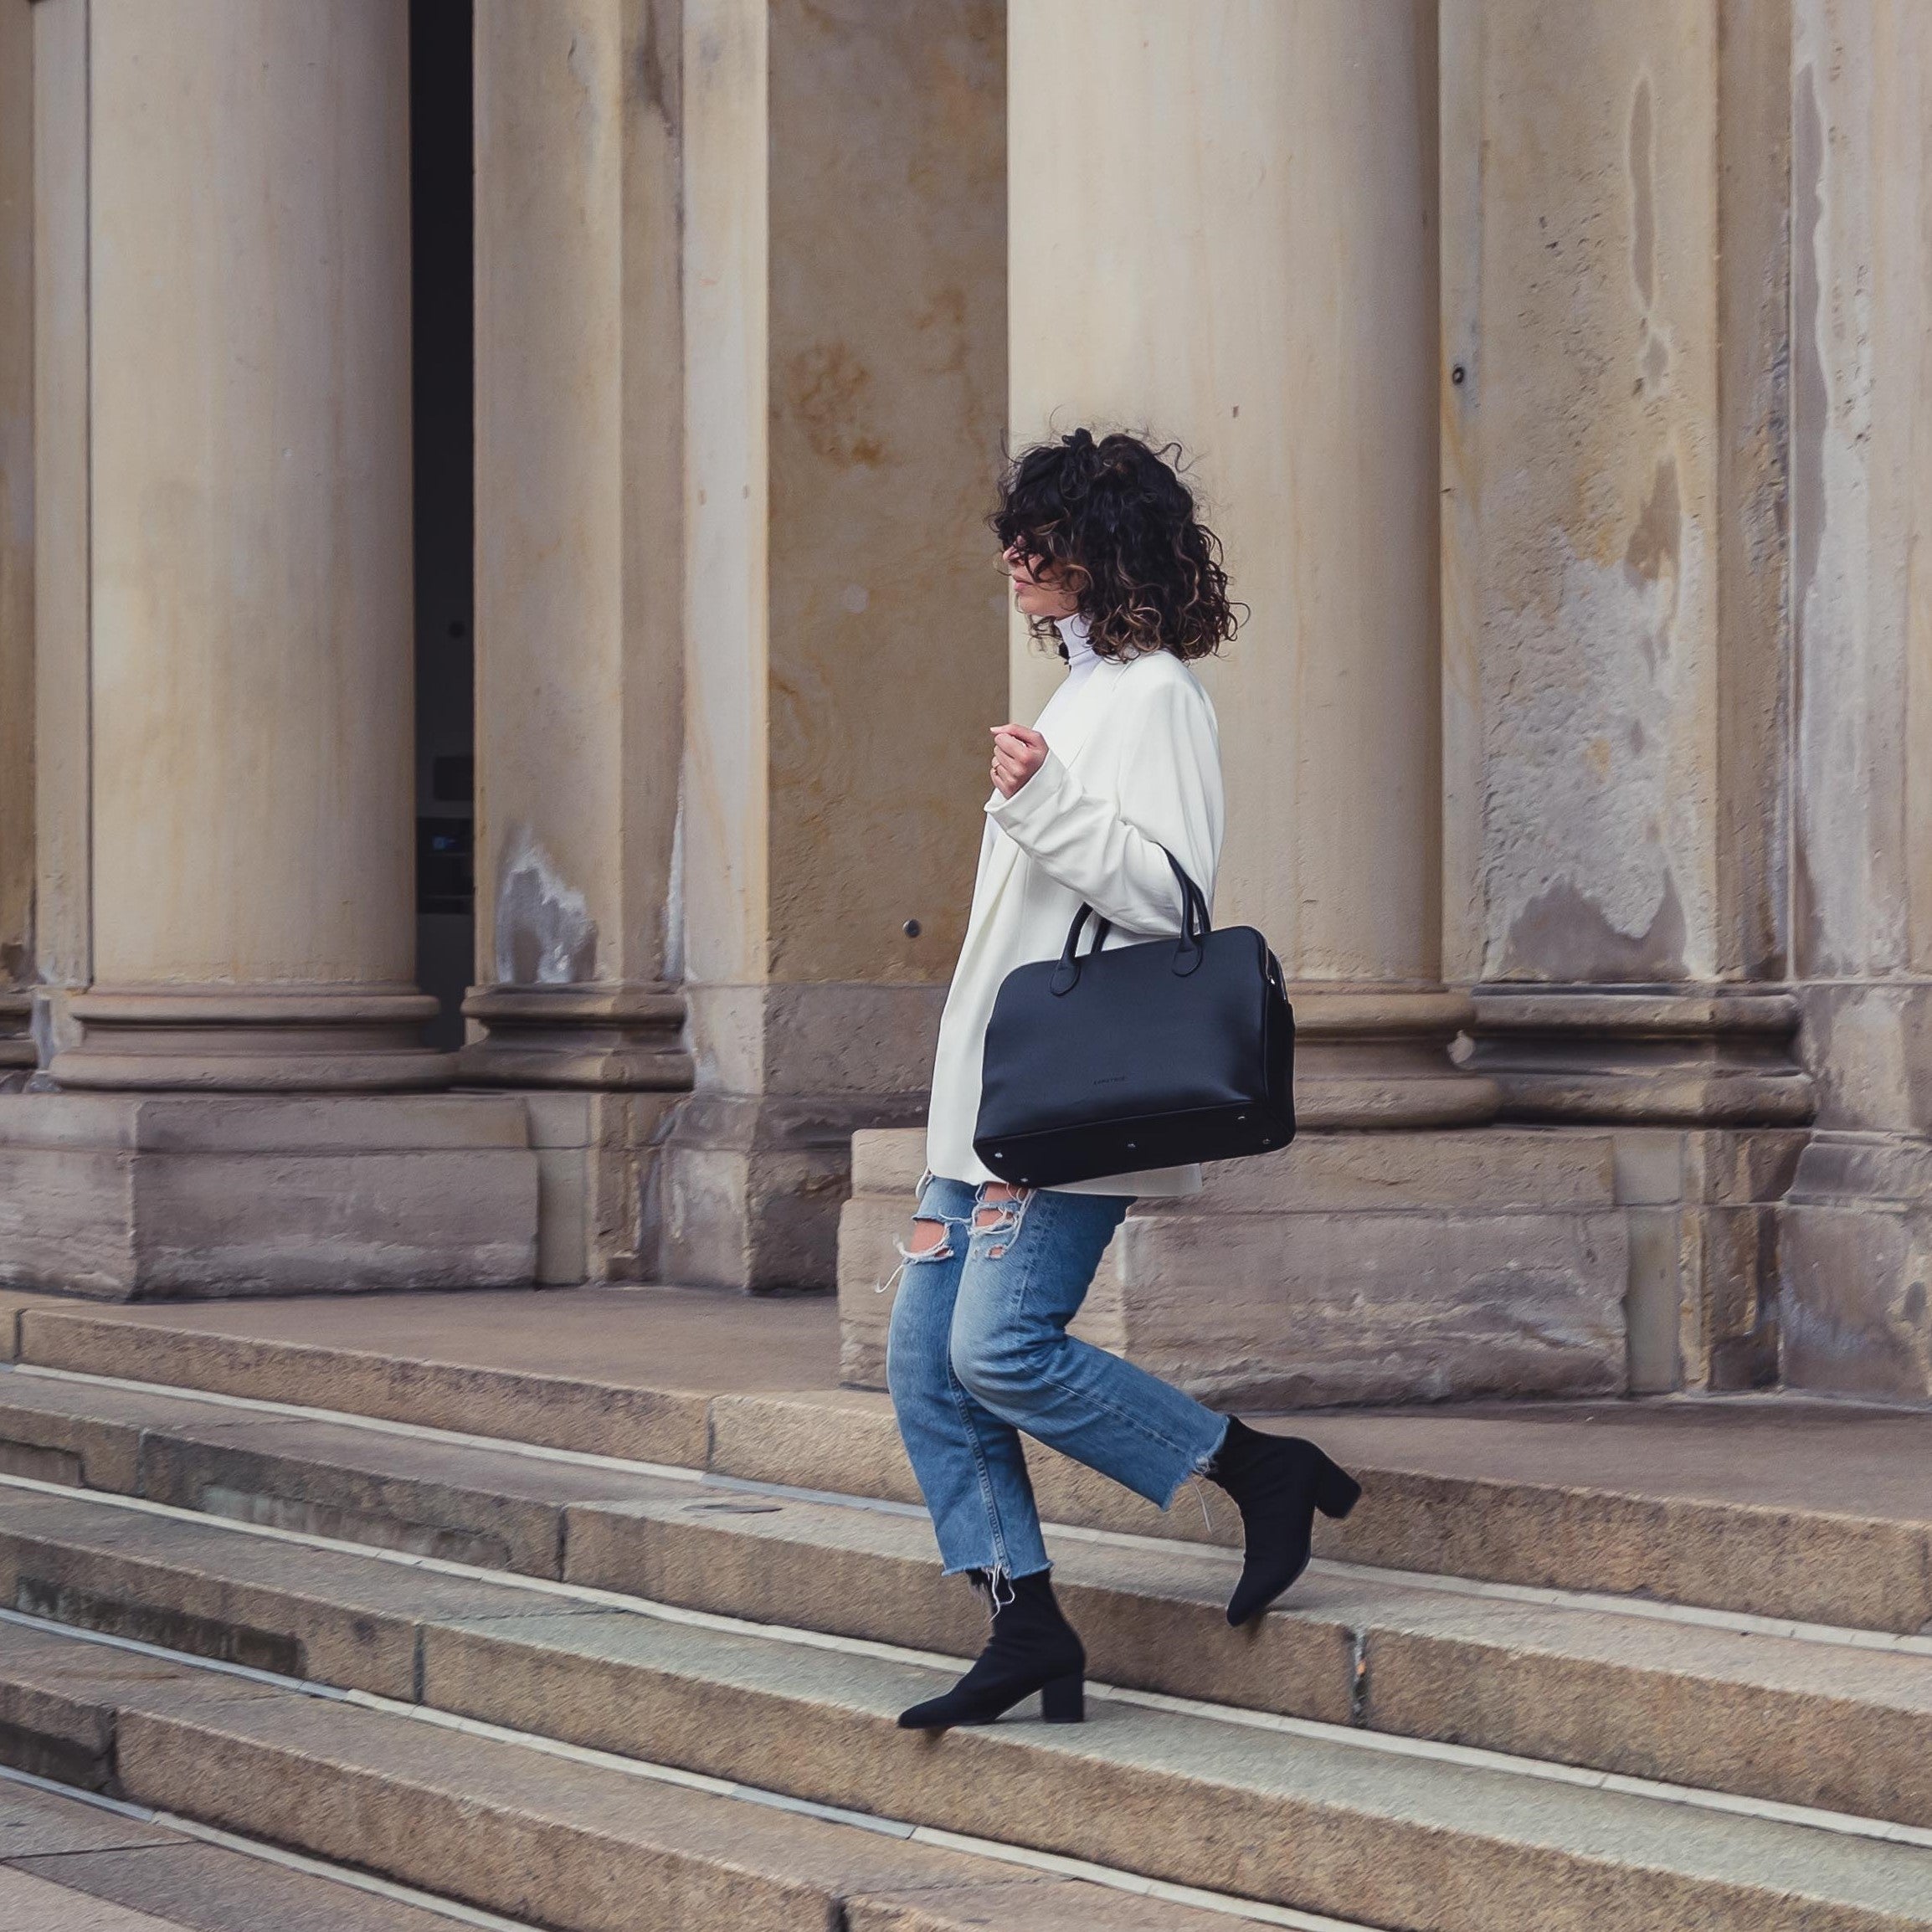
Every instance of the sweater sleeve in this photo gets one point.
(1110, 853)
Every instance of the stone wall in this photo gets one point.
(1557, 377)
(1667, 727)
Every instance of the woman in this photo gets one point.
(1107, 556)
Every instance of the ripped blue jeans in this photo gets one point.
(979, 1351)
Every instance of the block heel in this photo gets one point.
(1033, 1648)
(1336, 1491)
(1064, 1701)
(1278, 1482)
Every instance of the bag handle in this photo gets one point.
(1067, 974)
(1193, 932)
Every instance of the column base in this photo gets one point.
(750, 1170)
(1379, 1057)
(251, 1040)
(1703, 1206)
(745, 1191)
(1855, 1257)
(594, 1151)
(18, 1057)
(624, 1037)
(130, 1197)
(1352, 1267)
(1690, 1056)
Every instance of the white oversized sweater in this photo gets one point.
(1133, 764)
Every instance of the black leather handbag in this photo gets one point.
(1149, 1055)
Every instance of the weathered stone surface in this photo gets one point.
(1275, 1311)
(844, 390)
(61, 1701)
(32, 1904)
(199, 1887)
(13, 1305)
(1854, 1270)
(57, 1431)
(1800, 1722)
(593, 1156)
(205, 1590)
(466, 1505)
(1151, 1618)
(1024, 1906)
(1352, 1267)
(35, 1823)
(17, 855)
(143, 1197)
(1855, 1260)
(577, 383)
(1790, 1508)
(1713, 1511)
(1295, 1819)
(512, 1831)
(747, 1191)
(1803, 1723)
(1581, 227)
(1703, 1208)
(887, 1161)
(1702, 1056)
(618, 1372)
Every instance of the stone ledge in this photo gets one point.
(1352, 1267)
(133, 1197)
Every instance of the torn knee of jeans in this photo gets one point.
(937, 1249)
(1001, 1215)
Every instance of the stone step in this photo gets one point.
(483, 1504)
(1482, 1499)
(1804, 1720)
(1299, 1815)
(1813, 1511)
(67, 1866)
(501, 1826)
(1844, 1726)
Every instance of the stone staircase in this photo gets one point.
(581, 1653)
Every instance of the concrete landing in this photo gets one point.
(700, 1339)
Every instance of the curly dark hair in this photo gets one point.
(1116, 521)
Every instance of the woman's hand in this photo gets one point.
(1018, 752)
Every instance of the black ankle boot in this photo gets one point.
(1033, 1648)
(1278, 1482)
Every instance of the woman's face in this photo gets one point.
(1045, 595)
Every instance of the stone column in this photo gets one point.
(250, 534)
(1224, 223)
(1616, 633)
(16, 541)
(247, 668)
(579, 639)
(1255, 273)
(62, 584)
(844, 276)
(1857, 1235)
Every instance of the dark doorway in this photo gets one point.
(441, 226)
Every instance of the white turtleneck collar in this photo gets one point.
(1080, 655)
